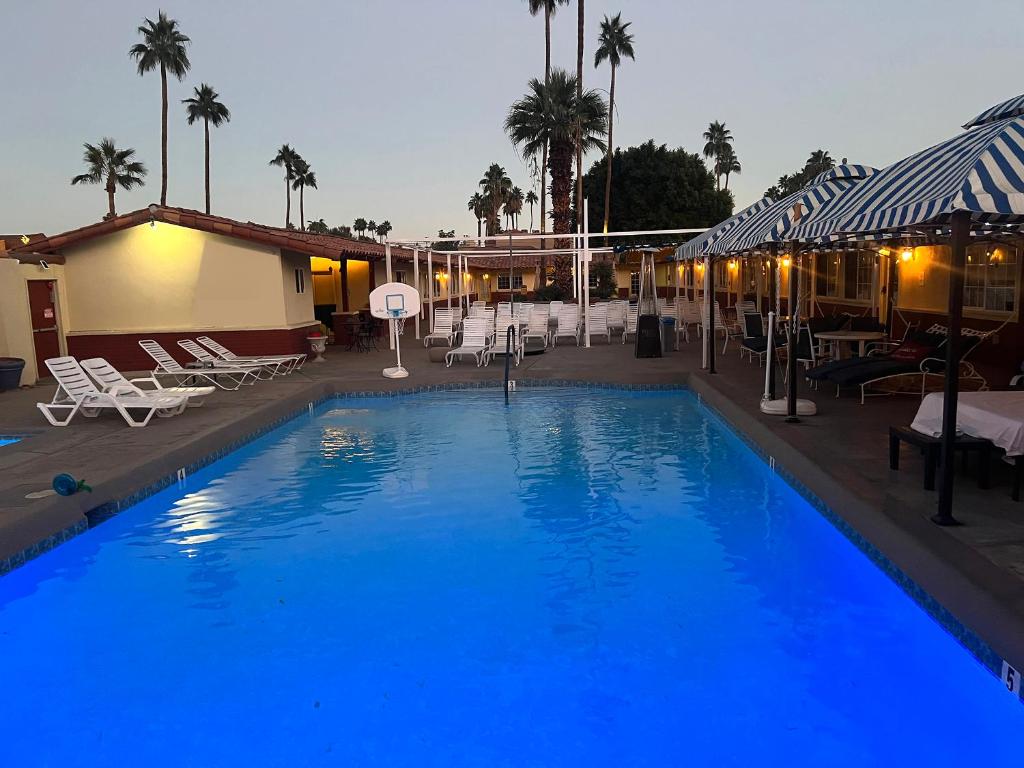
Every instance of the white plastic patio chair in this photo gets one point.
(500, 345)
(285, 363)
(202, 355)
(77, 393)
(443, 328)
(720, 326)
(631, 319)
(568, 325)
(110, 379)
(554, 307)
(617, 311)
(168, 366)
(597, 322)
(474, 342)
(538, 327)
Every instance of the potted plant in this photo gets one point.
(317, 343)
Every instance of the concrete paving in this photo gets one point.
(976, 571)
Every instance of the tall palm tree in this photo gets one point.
(163, 47)
(359, 225)
(285, 158)
(111, 167)
(304, 177)
(371, 227)
(716, 138)
(728, 163)
(514, 205)
(613, 43)
(549, 7)
(819, 162)
(580, 16)
(531, 199)
(554, 113)
(476, 205)
(383, 229)
(496, 185)
(204, 106)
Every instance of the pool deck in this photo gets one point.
(975, 571)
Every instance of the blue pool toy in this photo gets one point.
(66, 485)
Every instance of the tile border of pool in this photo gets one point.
(970, 640)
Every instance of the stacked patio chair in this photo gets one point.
(617, 310)
(568, 325)
(688, 313)
(207, 360)
(632, 316)
(283, 364)
(112, 381)
(167, 366)
(500, 344)
(538, 327)
(474, 342)
(443, 329)
(597, 322)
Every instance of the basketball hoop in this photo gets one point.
(398, 319)
(395, 302)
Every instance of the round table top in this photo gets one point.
(851, 335)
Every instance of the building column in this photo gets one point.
(344, 284)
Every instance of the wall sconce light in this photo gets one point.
(907, 254)
(786, 261)
(152, 215)
(884, 252)
(733, 265)
(486, 276)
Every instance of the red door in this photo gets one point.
(41, 302)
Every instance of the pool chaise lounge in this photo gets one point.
(77, 393)
(201, 355)
(168, 366)
(283, 364)
(113, 381)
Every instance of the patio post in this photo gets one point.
(585, 237)
(416, 282)
(793, 340)
(387, 269)
(709, 315)
(960, 234)
(773, 252)
(448, 280)
(430, 282)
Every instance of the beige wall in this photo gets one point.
(170, 278)
(358, 285)
(15, 319)
(298, 307)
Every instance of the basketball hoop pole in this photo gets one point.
(398, 372)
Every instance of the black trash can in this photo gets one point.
(10, 372)
(648, 336)
(668, 335)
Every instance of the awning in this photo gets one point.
(1010, 108)
(697, 248)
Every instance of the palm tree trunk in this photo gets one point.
(531, 217)
(110, 198)
(560, 161)
(579, 97)
(302, 207)
(206, 129)
(163, 135)
(477, 227)
(608, 174)
(288, 202)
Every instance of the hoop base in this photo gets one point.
(397, 372)
(780, 407)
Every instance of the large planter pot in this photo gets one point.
(318, 345)
(10, 372)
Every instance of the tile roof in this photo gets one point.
(328, 246)
(10, 242)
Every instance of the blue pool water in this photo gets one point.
(585, 578)
(8, 440)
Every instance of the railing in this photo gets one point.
(510, 336)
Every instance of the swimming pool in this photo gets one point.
(588, 577)
(8, 440)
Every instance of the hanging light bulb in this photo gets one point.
(786, 261)
(907, 254)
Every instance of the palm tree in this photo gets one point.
(383, 229)
(514, 205)
(553, 113)
(304, 177)
(204, 106)
(111, 167)
(549, 7)
(476, 205)
(285, 158)
(580, 16)
(819, 162)
(531, 199)
(728, 163)
(496, 186)
(359, 225)
(163, 46)
(717, 137)
(613, 43)
(371, 227)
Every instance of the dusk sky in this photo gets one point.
(398, 106)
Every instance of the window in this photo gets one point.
(399, 275)
(848, 276)
(722, 276)
(503, 281)
(634, 283)
(300, 280)
(990, 280)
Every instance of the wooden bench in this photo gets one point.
(931, 448)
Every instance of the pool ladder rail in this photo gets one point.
(510, 336)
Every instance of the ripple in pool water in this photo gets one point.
(587, 577)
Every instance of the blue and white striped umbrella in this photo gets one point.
(1010, 108)
(980, 171)
(774, 223)
(697, 248)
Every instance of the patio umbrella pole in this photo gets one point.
(960, 233)
(770, 362)
(794, 336)
(709, 310)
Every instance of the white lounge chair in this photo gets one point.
(597, 322)
(113, 381)
(474, 342)
(631, 319)
(168, 366)
(285, 363)
(500, 345)
(263, 370)
(77, 393)
(443, 328)
(568, 325)
(538, 327)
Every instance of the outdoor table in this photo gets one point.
(861, 338)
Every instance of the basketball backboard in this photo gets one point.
(394, 301)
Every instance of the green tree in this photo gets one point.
(342, 231)
(613, 43)
(383, 229)
(112, 167)
(655, 187)
(476, 205)
(318, 227)
(514, 206)
(204, 105)
(359, 225)
(580, 18)
(728, 164)
(495, 187)
(817, 163)
(285, 158)
(531, 200)
(445, 246)
(717, 137)
(548, 7)
(371, 227)
(304, 176)
(603, 273)
(163, 48)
